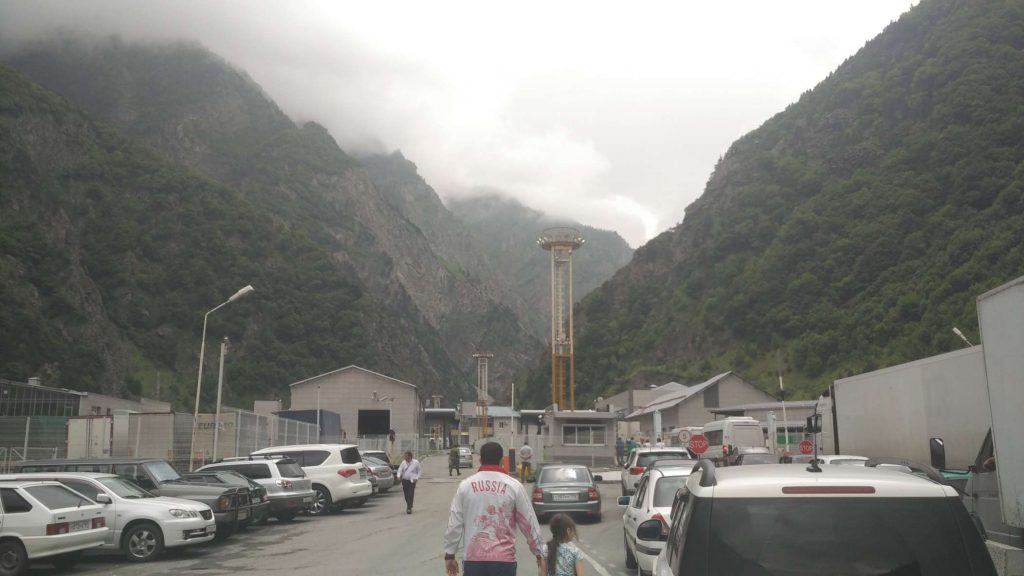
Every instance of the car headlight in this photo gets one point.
(182, 513)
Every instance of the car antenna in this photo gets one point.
(814, 461)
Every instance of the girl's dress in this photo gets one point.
(568, 554)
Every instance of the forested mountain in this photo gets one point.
(392, 280)
(849, 232)
(507, 231)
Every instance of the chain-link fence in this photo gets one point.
(32, 438)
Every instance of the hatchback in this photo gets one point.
(645, 520)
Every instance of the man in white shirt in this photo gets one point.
(525, 456)
(486, 510)
(409, 472)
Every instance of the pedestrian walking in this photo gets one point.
(564, 557)
(659, 443)
(409, 472)
(525, 457)
(620, 451)
(453, 461)
(487, 509)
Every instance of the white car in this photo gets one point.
(641, 458)
(645, 521)
(141, 525)
(339, 476)
(46, 520)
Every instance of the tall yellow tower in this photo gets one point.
(561, 243)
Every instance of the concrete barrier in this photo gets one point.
(1009, 561)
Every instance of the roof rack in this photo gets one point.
(708, 478)
(929, 472)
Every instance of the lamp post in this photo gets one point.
(220, 387)
(199, 380)
(962, 337)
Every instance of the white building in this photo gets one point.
(370, 404)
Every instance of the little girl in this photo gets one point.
(564, 558)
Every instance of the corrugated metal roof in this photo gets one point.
(765, 406)
(671, 399)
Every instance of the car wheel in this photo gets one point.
(143, 542)
(321, 501)
(630, 558)
(285, 516)
(66, 561)
(13, 559)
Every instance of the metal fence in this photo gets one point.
(31, 438)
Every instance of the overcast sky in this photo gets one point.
(611, 113)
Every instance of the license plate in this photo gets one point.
(243, 514)
(564, 497)
(79, 525)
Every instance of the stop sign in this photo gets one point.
(698, 444)
(806, 447)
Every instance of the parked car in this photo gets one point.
(641, 458)
(257, 493)
(784, 519)
(568, 488)
(381, 471)
(340, 479)
(749, 458)
(672, 463)
(465, 457)
(46, 521)
(140, 524)
(288, 489)
(230, 504)
(379, 455)
(645, 519)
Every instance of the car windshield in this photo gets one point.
(124, 488)
(564, 475)
(163, 472)
(665, 490)
(645, 459)
(835, 536)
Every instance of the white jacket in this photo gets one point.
(486, 510)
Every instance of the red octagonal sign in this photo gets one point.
(806, 447)
(698, 444)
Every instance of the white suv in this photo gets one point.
(141, 525)
(645, 520)
(640, 459)
(839, 520)
(339, 476)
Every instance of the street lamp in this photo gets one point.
(199, 381)
(962, 337)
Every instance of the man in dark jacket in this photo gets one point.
(453, 461)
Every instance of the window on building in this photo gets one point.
(583, 435)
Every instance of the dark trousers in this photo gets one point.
(488, 568)
(409, 489)
(454, 467)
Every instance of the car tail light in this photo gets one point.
(664, 523)
(286, 484)
(592, 494)
(538, 495)
(224, 503)
(347, 472)
(100, 522)
(637, 470)
(58, 528)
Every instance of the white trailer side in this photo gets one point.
(894, 411)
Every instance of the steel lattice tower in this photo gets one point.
(481, 390)
(561, 243)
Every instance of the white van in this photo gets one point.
(727, 436)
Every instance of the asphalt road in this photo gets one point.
(378, 538)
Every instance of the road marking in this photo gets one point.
(597, 567)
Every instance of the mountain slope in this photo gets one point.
(109, 255)
(849, 232)
(197, 110)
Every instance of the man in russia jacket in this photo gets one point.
(486, 510)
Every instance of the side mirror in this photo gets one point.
(649, 531)
(598, 478)
(103, 498)
(937, 448)
(623, 501)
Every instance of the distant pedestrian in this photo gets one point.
(630, 446)
(485, 512)
(525, 458)
(564, 557)
(409, 472)
(620, 451)
(659, 443)
(453, 461)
